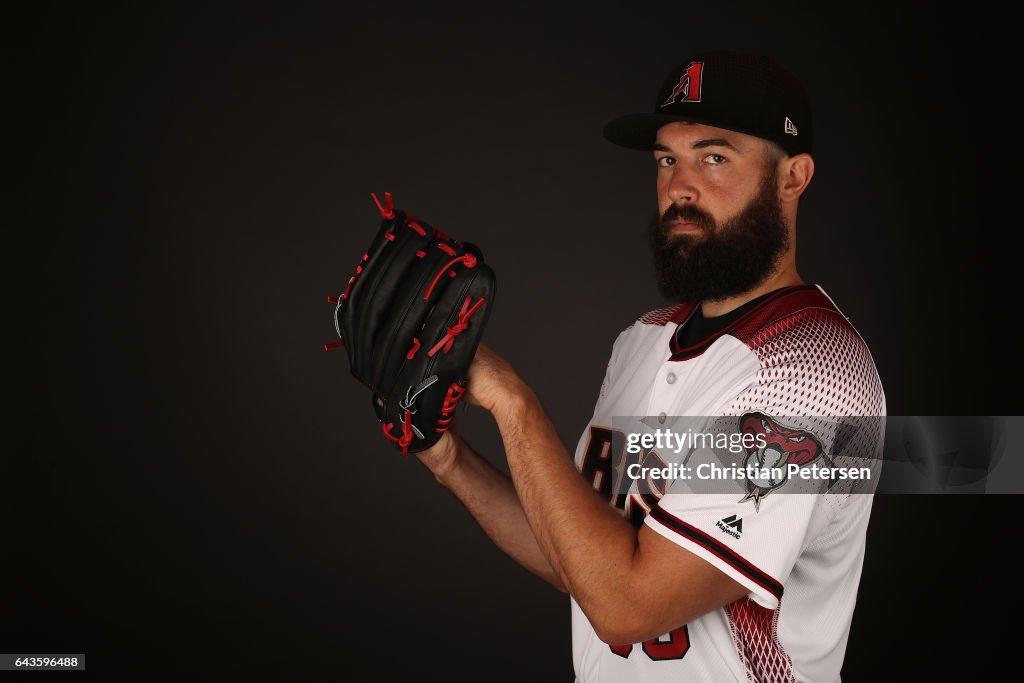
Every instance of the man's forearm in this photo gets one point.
(588, 544)
(594, 553)
(491, 498)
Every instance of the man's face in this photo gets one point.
(720, 230)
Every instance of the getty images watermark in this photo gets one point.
(770, 469)
(758, 452)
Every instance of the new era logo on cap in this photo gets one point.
(790, 128)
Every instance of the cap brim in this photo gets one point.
(639, 131)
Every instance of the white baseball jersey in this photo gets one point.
(787, 360)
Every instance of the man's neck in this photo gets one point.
(781, 278)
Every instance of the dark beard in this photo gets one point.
(720, 261)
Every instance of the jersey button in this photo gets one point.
(661, 418)
(670, 378)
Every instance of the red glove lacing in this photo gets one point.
(405, 439)
(469, 260)
(414, 349)
(451, 399)
(459, 327)
(344, 295)
(388, 210)
(352, 280)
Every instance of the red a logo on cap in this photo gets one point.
(688, 86)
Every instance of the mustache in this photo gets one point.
(688, 213)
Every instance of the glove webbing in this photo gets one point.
(388, 212)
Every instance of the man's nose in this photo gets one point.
(681, 188)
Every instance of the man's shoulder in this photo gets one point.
(800, 319)
(652, 324)
(665, 316)
(813, 359)
(799, 307)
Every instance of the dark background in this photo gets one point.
(194, 487)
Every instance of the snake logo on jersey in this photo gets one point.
(784, 446)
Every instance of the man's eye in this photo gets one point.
(714, 159)
(665, 161)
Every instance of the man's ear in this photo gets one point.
(796, 173)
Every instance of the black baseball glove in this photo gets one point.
(411, 319)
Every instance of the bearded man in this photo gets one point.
(667, 584)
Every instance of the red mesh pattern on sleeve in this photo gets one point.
(663, 316)
(812, 363)
(755, 632)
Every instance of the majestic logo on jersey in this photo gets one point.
(784, 446)
(688, 87)
(731, 525)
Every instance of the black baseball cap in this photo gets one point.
(747, 93)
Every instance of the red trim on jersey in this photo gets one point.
(781, 303)
(682, 313)
(736, 561)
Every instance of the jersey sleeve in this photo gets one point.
(815, 404)
(755, 549)
(611, 369)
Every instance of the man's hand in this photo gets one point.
(493, 382)
(441, 457)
